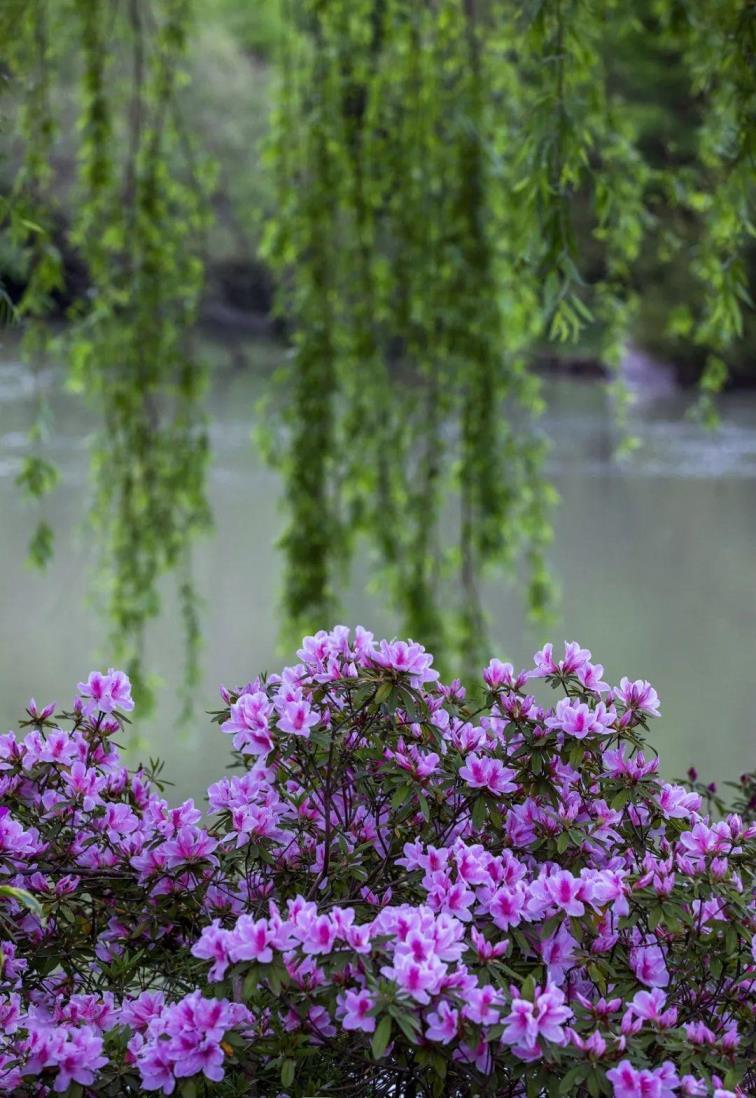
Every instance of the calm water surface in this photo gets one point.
(656, 560)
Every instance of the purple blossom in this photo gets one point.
(639, 696)
(648, 965)
(487, 773)
(336, 900)
(356, 1007)
(297, 718)
(442, 1024)
(580, 720)
(190, 845)
(106, 693)
(408, 658)
(249, 722)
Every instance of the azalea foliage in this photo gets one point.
(400, 890)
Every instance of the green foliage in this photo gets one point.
(139, 227)
(258, 27)
(140, 231)
(458, 185)
(28, 213)
(407, 352)
(440, 170)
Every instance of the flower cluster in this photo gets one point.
(402, 887)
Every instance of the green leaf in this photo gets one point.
(381, 1037)
(528, 988)
(479, 813)
(405, 1023)
(383, 692)
(574, 1075)
(41, 545)
(620, 800)
(37, 477)
(274, 980)
(288, 1070)
(21, 896)
(576, 756)
(400, 796)
(251, 984)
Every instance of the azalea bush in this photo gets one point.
(403, 891)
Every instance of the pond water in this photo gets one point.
(656, 560)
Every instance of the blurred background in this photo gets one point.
(429, 317)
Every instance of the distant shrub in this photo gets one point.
(404, 892)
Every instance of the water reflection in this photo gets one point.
(655, 560)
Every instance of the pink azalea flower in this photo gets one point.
(443, 1024)
(639, 695)
(579, 720)
(249, 723)
(560, 890)
(105, 693)
(418, 980)
(297, 718)
(356, 1007)
(191, 844)
(487, 773)
(407, 657)
(648, 965)
(649, 1006)
(483, 1005)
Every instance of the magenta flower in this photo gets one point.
(355, 1007)
(14, 840)
(544, 1017)
(79, 1058)
(418, 980)
(677, 803)
(106, 693)
(359, 895)
(703, 841)
(698, 1033)
(38, 714)
(191, 844)
(551, 1013)
(139, 1012)
(483, 1005)
(408, 658)
(649, 1006)
(249, 722)
(10, 1013)
(56, 747)
(560, 890)
(648, 965)
(487, 773)
(443, 1024)
(505, 905)
(297, 718)
(250, 940)
(574, 660)
(628, 1082)
(580, 720)
(213, 945)
(639, 696)
(693, 1087)
(499, 674)
(594, 1045)
(156, 1068)
(558, 952)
